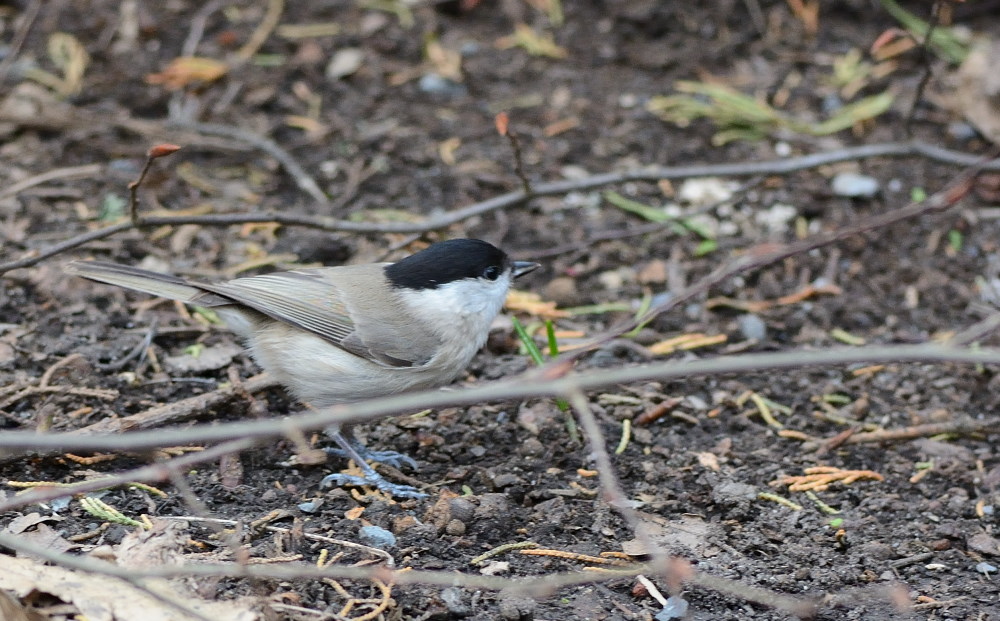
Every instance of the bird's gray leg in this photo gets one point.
(391, 458)
(370, 477)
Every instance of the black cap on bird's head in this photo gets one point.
(453, 260)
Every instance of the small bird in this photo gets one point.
(339, 334)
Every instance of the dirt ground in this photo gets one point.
(390, 107)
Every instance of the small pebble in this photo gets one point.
(454, 599)
(462, 509)
(654, 272)
(506, 479)
(611, 280)
(344, 62)
(531, 447)
(776, 218)
(470, 48)
(404, 523)
(705, 191)
(377, 537)
(676, 608)
(986, 568)
(434, 84)
(311, 506)
(961, 131)
(832, 103)
(455, 528)
(628, 100)
(752, 327)
(854, 185)
(514, 608)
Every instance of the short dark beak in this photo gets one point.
(523, 267)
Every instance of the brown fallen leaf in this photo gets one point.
(533, 304)
(186, 70)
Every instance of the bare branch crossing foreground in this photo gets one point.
(532, 385)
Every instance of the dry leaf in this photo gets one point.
(446, 63)
(533, 304)
(103, 598)
(532, 42)
(447, 148)
(708, 460)
(186, 70)
(978, 92)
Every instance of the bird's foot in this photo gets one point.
(373, 479)
(360, 454)
(389, 458)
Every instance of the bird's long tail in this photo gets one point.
(163, 285)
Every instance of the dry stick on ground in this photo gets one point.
(376, 552)
(963, 426)
(926, 57)
(21, 391)
(534, 586)
(652, 174)
(72, 172)
(302, 179)
(939, 201)
(174, 412)
(160, 471)
(30, 13)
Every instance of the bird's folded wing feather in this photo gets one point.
(308, 300)
(299, 298)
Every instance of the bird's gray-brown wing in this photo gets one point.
(306, 299)
(309, 300)
(302, 298)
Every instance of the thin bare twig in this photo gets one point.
(963, 426)
(977, 331)
(510, 199)
(196, 29)
(610, 484)
(926, 57)
(72, 172)
(30, 14)
(262, 31)
(302, 179)
(535, 586)
(382, 554)
(133, 190)
(502, 123)
(939, 201)
(145, 474)
(531, 385)
(136, 351)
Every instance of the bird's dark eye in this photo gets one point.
(492, 272)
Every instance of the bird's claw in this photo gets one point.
(377, 481)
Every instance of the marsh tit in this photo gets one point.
(339, 334)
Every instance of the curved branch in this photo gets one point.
(510, 199)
